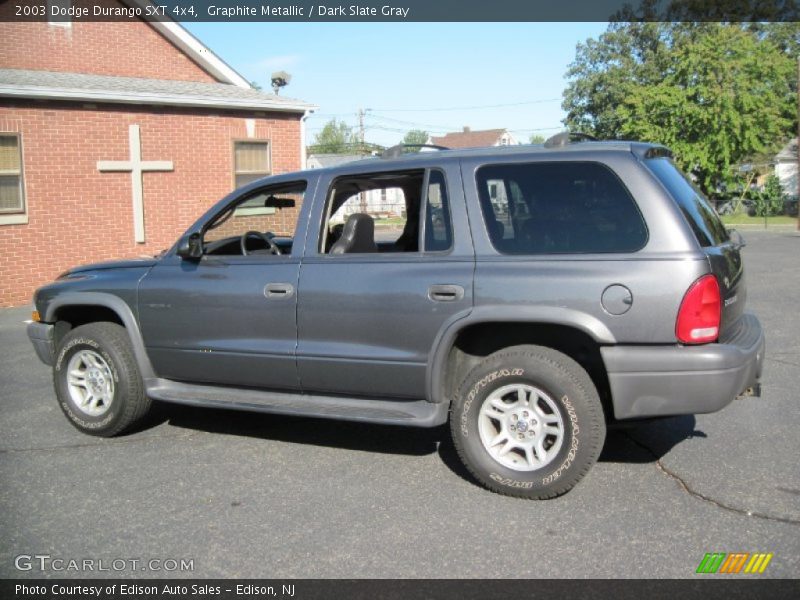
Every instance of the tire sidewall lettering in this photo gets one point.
(481, 384)
(574, 443)
(513, 483)
(508, 478)
(70, 345)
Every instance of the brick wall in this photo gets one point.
(123, 49)
(282, 222)
(79, 215)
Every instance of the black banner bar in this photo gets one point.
(399, 10)
(705, 587)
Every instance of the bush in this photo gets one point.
(769, 201)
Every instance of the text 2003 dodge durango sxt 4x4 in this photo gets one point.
(527, 295)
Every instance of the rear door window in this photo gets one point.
(704, 221)
(559, 208)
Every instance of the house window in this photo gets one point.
(12, 189)
(250, 162)
(57, 13)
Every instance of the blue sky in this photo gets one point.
(412, 75)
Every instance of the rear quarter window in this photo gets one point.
(559, 208)
(704, 221)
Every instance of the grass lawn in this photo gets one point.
(390, 221)
(743, 219)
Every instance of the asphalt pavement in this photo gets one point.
(250, 495)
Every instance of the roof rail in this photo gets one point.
(397, 150)
(560, 140)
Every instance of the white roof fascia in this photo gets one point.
(22, 91)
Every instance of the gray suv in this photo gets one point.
(528, 296)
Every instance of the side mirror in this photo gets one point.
(190, 246)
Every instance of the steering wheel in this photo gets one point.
(267, 237)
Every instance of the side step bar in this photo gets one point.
(414, 413)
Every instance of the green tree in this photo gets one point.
(537, 138)
(715, 93)
(336, 137)
(415, 136)
(769, 201)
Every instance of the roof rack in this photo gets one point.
(560, 140)
(396, 151)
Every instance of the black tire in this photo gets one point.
(571, 392)
(128, 403)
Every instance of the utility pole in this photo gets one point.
(362, 196)
(361, 112)
(797, 172)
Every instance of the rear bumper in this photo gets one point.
(651, 381)
(41, 336)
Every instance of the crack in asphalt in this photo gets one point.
(700, 496)
(659, 465)
(96, 444)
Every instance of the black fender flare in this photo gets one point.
(555, 315)
(123, 311)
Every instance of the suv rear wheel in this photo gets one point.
(97, 380)
(527, 421)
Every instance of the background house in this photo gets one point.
(467, 138)
(322, 161)
(115, 136)
(786, 168)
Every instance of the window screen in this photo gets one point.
(12, 198)
(250, 162)
(558, 208)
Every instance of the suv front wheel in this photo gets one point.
(97, 380)
(527, 421)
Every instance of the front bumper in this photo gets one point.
(41, 336)
(655, 381)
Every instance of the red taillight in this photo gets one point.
(700, 312)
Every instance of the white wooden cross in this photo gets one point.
(136, 166)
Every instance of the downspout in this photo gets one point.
(305, 116)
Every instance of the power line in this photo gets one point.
(429, 128)
(444, 129)
(399, 129)
(426, 126)
(595, 121)
(540, 101)
(393, 120)
(390, 129)
(471, 107)
(344, 114)
(535, 129)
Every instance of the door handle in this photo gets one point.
(445, 293)
(277, 291)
